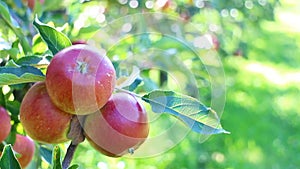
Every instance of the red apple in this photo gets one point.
(25, 147)
(31, 3)
(119, 127)
(5, 125)
(215, 42)
(41, 119)
(80, 80)
(77, 42)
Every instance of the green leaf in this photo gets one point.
(29, 60)
(192, 112)
(23, 74)
(46, 153)
(75, 166)
(2, 98)
(55, 40)
(4, 12)
(56, 158)
(8, 159)
(13, 107)
(38, 45)
(6, 16)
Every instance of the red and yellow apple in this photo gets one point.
(120, 126)
(24, 146)
(41, 119)
(80, 80)
(5, 125)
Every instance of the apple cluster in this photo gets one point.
(80, 82)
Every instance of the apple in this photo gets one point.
(215, 42)
(77, 42)
(119, 127)
(5, 125)
(31, 3)
(41, 119)
(80, 80)
(25, 147)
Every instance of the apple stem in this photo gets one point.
(77, 136)
(129, 92)
(69, 156)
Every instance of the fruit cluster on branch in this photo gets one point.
(77, 101)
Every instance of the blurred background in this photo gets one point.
(258, 44)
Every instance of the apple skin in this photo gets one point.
(41, 119)
(80, 80)
(121, 124)
(25, 147)
(5, 125)
(77, 42)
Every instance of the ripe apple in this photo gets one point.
(5, 125)
(80, 80)
(41, 119)
(77, 42)
(119, 127)
(25, 147)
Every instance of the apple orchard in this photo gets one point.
(78, 94)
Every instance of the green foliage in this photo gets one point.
(46, 153)
(12, 24)
(198, 117)
(24, 74)
(55, 40)
(8, 159)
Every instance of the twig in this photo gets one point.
(77, 136)
(69, 155)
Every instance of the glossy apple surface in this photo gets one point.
(41, 119)
(5, 125)
(25, 147)
(80, 80)
(119, 126)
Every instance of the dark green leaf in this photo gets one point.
(56, 158)
(24, 74)
(11, 138)
(2, 99)
(13, 107)
(75, 166)
(8, 159)
(29, 60)
(135, 84)
(192, 112)
(46, 154)
(55, 40)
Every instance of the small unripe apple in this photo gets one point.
(119, 127)
(25, 147)
(41, 119)
(80, 80)
(5, 125)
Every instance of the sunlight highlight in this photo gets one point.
(273, 75)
